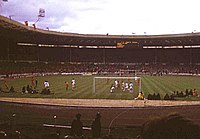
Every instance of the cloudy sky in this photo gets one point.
(119, 17)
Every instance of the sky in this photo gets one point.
(115, 17)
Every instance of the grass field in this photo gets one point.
(84, 87)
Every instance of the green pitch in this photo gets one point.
(84, 87)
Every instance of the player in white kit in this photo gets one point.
(131, 87)
(73, 84)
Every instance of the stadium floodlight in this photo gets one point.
(41, 12)
(40, 15)
(1, 2)
(115, 78)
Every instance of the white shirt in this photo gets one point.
(46, 84)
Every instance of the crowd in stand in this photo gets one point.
(76, 131)
(170, 126)
(9, 68)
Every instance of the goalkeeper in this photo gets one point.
(140, 96)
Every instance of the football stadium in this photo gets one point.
(137, 86)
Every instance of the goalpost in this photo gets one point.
(126, 78)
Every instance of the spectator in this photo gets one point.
(194, 93)
(158, 96)
(149, 97)
(96, 126)
(46, 91)
(177, 93)
(36, 83)
(172, 97)
(23, 89)
(12, 90)
(172, 126)
(181, 94)
(77, 126)
(153, 96)
(186, 92)
(166, 97)
(190, 93)
(28, 89)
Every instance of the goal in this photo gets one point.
(104, 80)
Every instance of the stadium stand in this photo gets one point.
(25, 50)
(170, 126)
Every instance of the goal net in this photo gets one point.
(117, 84)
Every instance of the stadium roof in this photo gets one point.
(21, 33)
